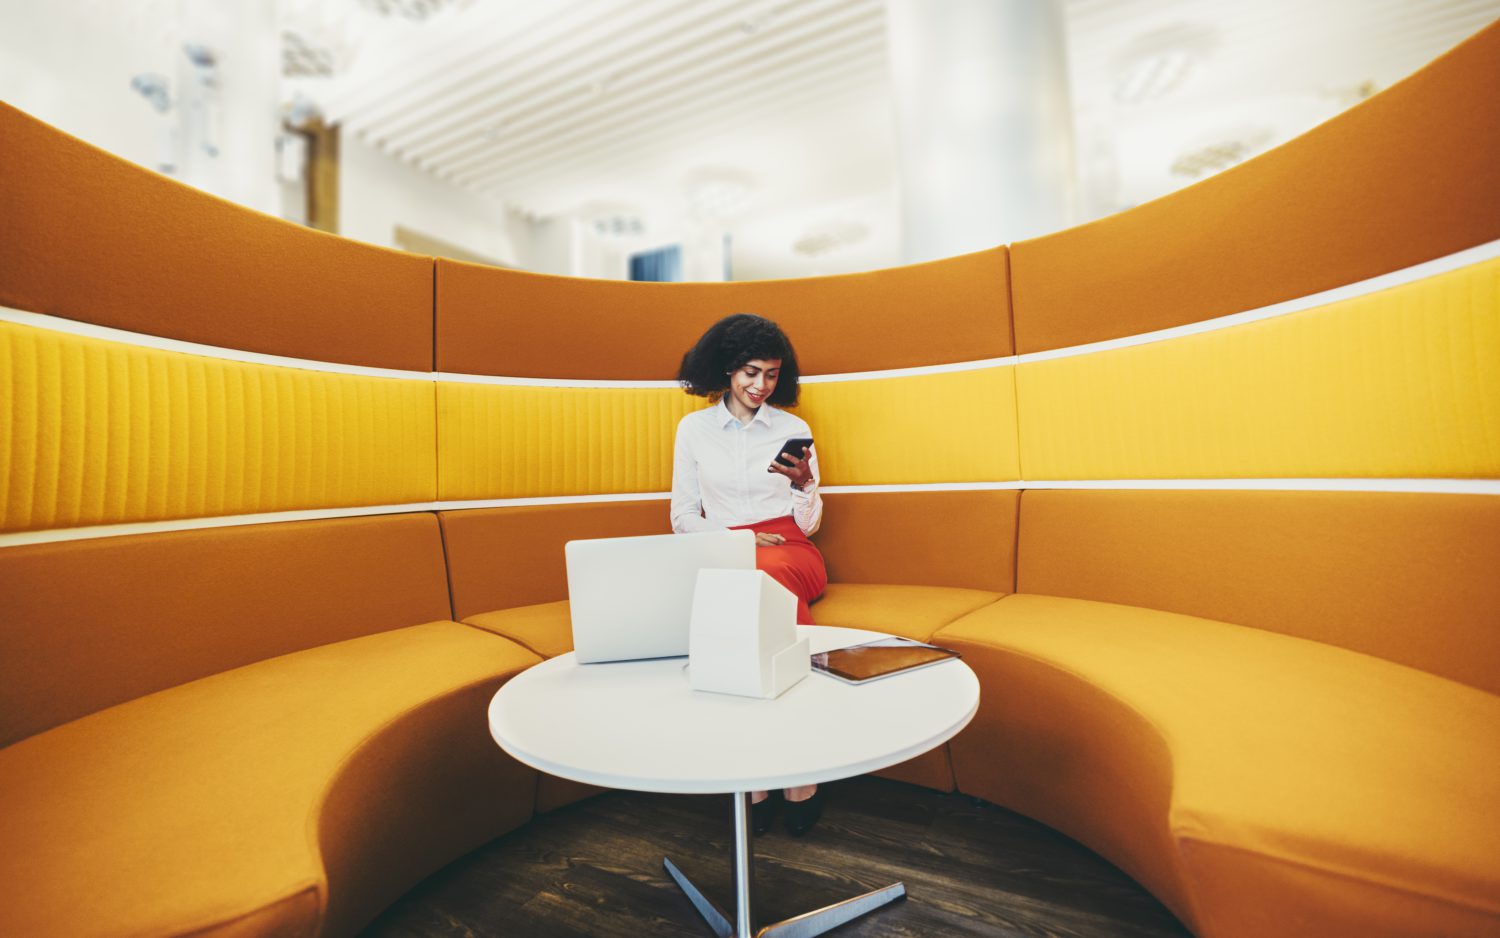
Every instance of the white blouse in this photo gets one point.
(719, 477)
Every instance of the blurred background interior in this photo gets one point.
(704, 139)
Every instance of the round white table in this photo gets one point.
(639, 725)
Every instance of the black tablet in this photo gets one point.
(883, 657)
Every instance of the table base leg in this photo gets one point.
(711, 913)
(805, 925)
(831, 916)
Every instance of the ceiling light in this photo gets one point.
(613, 219)
(416, 10)
(756, 22)
(302, 57)
(1157, 63)
(719, 192)
(1220, 154)
(619, 226)
(821, 239)
(1153, 76)
(1207, 160)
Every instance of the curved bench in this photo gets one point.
(1275, 710)
(294, 796)
(1247, 779)
(1233, 771)
(1255, 780)
(272, 748)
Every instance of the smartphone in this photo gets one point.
(792, 447)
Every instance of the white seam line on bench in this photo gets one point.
(1420, 271)
(1350, 484)
(145, 340)
(1408, 486)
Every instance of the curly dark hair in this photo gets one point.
(727, 346)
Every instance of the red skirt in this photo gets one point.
(796, 564)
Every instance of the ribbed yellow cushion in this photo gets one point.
(500, 441)
(951, 427)
(1400, 383)
(100, 432)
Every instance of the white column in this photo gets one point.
(984, 124)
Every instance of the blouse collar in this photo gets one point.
(726, 417)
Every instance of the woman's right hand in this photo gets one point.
(768, 540)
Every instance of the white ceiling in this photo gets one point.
(540, 109)
(1259, 74)
(624, 107)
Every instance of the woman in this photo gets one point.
(725, 475)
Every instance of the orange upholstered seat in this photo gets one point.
(1251, 780)
(208, 721)
(291, 796)
(545, 628)
(912, 611)
(98, 622)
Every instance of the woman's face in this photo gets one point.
(754, 381)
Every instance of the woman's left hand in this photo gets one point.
(799, 472)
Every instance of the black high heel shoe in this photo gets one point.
(800, 816)
(763, 812)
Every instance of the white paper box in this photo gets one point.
(743, 636)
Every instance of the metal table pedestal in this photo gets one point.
(801, 926)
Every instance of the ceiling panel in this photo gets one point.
(531, 109)
(555, 106)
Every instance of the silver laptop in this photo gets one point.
(632, 597)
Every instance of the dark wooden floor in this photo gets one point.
(594, 868)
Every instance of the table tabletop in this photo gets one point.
(639, 725)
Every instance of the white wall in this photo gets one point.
(377, 193)
(70, 63)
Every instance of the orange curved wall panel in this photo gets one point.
(505, 322)
(487, 572)
(93, 623)
(89, 236)
(1409, 175)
